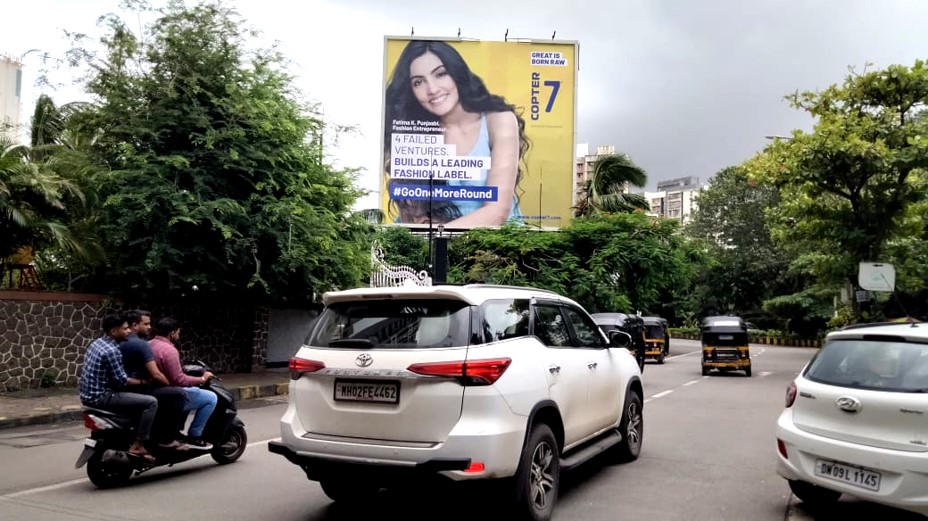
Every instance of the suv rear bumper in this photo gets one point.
(321, 466)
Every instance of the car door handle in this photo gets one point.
(592, 365)
(554, 369)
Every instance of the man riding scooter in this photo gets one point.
(201, 401)
(104, 380)
(139, 362)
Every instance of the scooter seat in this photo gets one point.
(118, 419)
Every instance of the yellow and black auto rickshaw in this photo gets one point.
(725, 345)
(656, 338)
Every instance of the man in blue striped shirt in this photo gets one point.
(103, 380)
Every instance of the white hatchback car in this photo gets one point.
(856, 419)
(465, 382)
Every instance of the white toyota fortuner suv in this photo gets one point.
(466, 382)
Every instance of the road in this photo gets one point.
(708, 455)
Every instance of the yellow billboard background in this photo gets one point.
(527, 74)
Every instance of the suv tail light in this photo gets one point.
(300, 366)
(473, 372)
(790, 394)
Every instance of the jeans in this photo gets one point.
(132, 405)
(203, 402)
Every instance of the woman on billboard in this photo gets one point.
(432, 83)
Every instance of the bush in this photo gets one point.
(49, 378)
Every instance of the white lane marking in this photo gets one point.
(48, 488)
(661, 394)
(765, 373)
(691, 382)
(65, 484)
(684, 354)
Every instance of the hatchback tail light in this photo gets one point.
(473, 372)
(790, 394)
(781, 447)
(300, 366)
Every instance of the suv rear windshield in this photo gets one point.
(398, 324)
(883, 365)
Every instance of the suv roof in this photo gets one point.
(473, 294)
(911, 332)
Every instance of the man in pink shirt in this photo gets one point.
(167, 331)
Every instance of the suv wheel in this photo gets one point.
(813, 495)
(538, 476)
(632, 430)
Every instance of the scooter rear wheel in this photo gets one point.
(231, 447)
(107, 475)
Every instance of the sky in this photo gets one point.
(684, 88)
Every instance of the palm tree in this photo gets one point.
(605, 190)
(39, 186)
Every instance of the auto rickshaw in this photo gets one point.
(725, 345)
(631, 324)
(656, 338)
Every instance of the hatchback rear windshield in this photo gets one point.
(399, 324)
(884, 365)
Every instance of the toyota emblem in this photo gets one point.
(364, 360)
(848, 404)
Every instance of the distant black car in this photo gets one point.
(631, 324)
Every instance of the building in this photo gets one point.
(674, 198)
(11, 86)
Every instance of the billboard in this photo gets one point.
(478, 133)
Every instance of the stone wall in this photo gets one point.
(259, 340)
(43, 339)
(220, 335)
(43, 335)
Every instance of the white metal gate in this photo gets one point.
(384, 275)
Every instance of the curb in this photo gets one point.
(43, 418)
(73, 413)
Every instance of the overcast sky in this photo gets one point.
(684, 87)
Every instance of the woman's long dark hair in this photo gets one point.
(401, 104)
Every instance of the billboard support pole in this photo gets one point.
(441, 257)
(431, 262)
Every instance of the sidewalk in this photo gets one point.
(62, 404)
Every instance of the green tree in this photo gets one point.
(605, 190)
(212, 176)
(42, 189)
(847, 186)
(401, 247)
(748, 267)
(618, 262)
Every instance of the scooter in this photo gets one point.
(105, 451)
